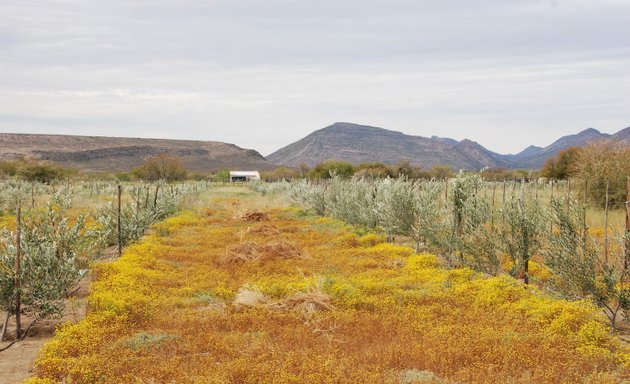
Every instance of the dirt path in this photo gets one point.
(16, 363)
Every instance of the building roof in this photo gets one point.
(244, 174)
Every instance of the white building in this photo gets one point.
(244, 176)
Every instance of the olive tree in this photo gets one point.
(426, 213)
(468, 212)
(309, 195)
(575, 259)
(522, 232)
(394, 206)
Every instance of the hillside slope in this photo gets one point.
(359, 143)
(95, 153)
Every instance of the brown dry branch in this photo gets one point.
(242, 252)
(308, 302)
(263, 230)
(22, 337)
(280, 250)
(252, 251)
(253, 216)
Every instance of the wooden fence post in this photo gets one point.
(584, 226)
(119, 221)
(568, 195)
(551, 210)
(155, 199)
(606, 224)
(503, 206)
(446, 193)
(18, 255)
(626, 259)
(494, 190)
(138, 197)
(519, 205)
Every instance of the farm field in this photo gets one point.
(245, 289)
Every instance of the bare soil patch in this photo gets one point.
(17, 362)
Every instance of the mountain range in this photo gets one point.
(341, 141)
(359, 143)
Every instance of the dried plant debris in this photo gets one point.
(305, 301)
(242, 252)
(309, 302)
(253, 251)
(264, 230)
(253, 216)
(281, 250)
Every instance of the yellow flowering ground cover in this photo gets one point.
(211, 297)
(7, 222)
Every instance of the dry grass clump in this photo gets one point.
(253, 216)
(264, 230)
(253, 251)
(281, 250)
(242, 252)
(305, 301)
(308, 302)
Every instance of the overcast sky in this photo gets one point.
(264, 73)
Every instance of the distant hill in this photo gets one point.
(623, 135)
(535, 157)
(359, 143)
(115, 154)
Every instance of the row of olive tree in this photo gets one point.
(148, 204)
(56, 251)
(460, 222)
